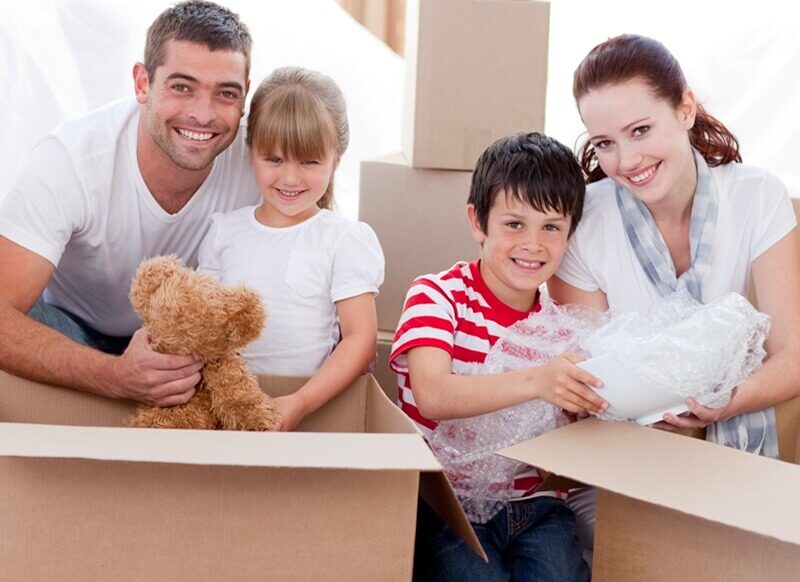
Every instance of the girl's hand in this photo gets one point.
(292, 409)
(373, 363)
(699, 416)
(564, 384)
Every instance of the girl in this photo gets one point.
(668, 205)
(316, 271)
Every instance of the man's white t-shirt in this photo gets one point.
(81, 203)
(300, 272)
(754, 213)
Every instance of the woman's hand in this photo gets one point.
(699, 416)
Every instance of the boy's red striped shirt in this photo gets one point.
(456, 312)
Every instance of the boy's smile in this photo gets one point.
(520, 249)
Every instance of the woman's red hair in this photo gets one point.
(627, 57)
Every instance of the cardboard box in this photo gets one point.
(788, 413)
(675, 508)
(383, 374)
(420, 217)
(476, 70)
(797, 450)
(92, 501)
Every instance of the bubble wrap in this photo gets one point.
(465, 447)
(683, 347)
(718, 345)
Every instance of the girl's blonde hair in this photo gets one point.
(302, 113)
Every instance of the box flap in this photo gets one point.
(710, 481)
(200, 447)
(787, 419)
(435, 489)
(797, 450)
(383, 415)
(24, 400)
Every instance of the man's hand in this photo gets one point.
(564, 384)
(149, 377)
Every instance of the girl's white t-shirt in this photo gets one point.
(300, 272)
(754, 213)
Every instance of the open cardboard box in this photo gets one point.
(677, 508)
(94, 501)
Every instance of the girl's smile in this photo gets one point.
(290, 188)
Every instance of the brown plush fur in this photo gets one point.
(186, 312)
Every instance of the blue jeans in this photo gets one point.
(532, 539)
(76, 329)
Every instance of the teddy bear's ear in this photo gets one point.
(150, 275)
(246, 315)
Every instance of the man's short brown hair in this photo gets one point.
(197, 21)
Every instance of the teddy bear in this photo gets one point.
(186, 312)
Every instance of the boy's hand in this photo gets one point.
(564, 384)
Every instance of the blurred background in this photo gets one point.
(62, 58)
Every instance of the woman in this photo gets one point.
(669, 205)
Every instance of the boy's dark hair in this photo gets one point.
(533, 168)
(197, 21)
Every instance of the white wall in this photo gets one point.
(741, 58)
(61, 58)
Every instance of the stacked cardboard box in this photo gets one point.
(476, 70)
(420, 219)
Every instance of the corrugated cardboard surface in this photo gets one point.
(667, 493)
(797, 450)
(383, 374)
(220, 448)
(73, 519)
(459, 95)
(88, 503)
(787, 413)
(787, 416)
(420, 219)
(637, 541)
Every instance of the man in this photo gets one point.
(129, 181)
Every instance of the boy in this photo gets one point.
(525, 200)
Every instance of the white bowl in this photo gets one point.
(627, 395)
